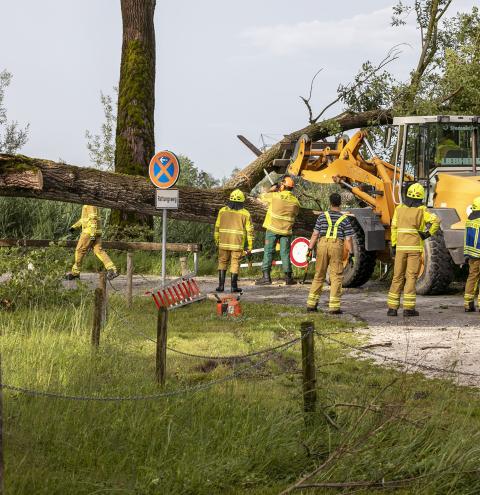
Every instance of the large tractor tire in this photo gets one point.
(438, 268)
(360, 269)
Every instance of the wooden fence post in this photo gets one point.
(183, 266)
(161, 357)
(97, 316)
(307, 329)
(195, 263)
(102, 284)
(129, 278)
(2, 466)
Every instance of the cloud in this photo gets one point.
(372, 30)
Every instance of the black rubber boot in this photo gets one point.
(289, 280)
(335, 312)
(71, 276)
(221, 280)
(410, 312)
(312, 309)
(470, 308)
(234, 284)
(392, 312)
(265, 280)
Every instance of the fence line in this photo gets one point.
(172, 393)
(200, 356)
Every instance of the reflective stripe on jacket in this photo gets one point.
(334, 234)
(90, 221)
(283, 208)
(232, 228)
(407, 222)
(471, 246)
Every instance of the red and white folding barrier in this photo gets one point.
(179, 292)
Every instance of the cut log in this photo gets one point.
(22, 179)
(129, 193)
(253, 173)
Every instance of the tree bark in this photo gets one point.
(135, 139)
(253, 173)
(131, 194)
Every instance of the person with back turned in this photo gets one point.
(333, 232)
(90, 238)
(409, 231)
(283, 208)
(232, 228)
(471, 251)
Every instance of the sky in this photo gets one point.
(223, 68)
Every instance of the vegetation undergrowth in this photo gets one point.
(246, 435)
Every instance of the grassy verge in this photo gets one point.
(243, 436)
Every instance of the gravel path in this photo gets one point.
(443, 336)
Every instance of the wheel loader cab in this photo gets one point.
(430, 146)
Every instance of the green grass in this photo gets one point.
(243, 436)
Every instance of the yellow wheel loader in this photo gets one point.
(440, 152)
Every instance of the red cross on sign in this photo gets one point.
(164, 169)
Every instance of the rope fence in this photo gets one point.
(235, 357)
(172, 393)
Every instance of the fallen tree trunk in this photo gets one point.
(83, 185)
(253, 173)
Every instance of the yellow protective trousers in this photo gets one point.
(329, 257)
(225, 256)
(405, 274)
(84, 244)
(472, 281)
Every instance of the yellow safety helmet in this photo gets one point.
(476, 204)
(416, 191)
(237, 196)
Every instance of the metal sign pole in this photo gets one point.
(164, 245)
(164, 170)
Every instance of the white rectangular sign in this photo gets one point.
(166, 198)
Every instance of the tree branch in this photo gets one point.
(392, 55)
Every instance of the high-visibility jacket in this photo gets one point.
(471, 247)
(90, 221)
(232, 228)
(332, 231)
(283, 208)
(407, 222)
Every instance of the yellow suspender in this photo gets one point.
(329, 234)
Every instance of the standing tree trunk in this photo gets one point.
(135, 140)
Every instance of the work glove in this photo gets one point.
(350, 257)
(92, 237)
(309, 255)
(71, 230)
(248, 253)
(424, 235)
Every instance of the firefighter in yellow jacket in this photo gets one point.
(90, 238)
(471, 251)
(283, 208)
(332, 236)
(232, 228)
(409, 231)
